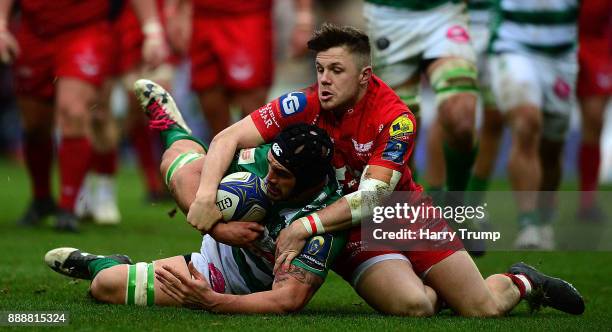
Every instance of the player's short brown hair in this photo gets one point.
(355, 40)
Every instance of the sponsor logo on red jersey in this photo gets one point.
(292, 103)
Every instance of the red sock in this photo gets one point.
(522, 282)
(104, 163)
(38, 153)
(588, 167)
(142, 141)
(74, 161)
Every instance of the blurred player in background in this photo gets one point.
(220, 277)
(594, 90)
(62, 59)
(534, 68)
(231, 54)
(411, 38)
(142, 51)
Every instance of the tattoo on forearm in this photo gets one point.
(300, 275)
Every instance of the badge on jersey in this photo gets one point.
(316, 252)
(395, 151)
(401, 128)
(292, 103)
(246, 156)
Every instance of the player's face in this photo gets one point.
(279, 180)
(338, 78)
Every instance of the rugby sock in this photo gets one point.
(458, 167)
(38, 152)
(476, 189)
(528, 218)
(141, 284)
(176, 133)
(74, 160)
(97, 265)
(588, 166)
(522, 282)
(142, 141)
(104, 163)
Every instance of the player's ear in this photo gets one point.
(364, 76)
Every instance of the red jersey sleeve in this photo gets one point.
(394, 144)
(288, 109)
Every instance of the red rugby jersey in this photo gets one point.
(378, 130)
(229, 7)
(51, 17)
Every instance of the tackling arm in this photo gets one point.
(377, 181)
(203, 213)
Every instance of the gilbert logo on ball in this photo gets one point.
(242, 196)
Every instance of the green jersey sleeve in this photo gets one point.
(253, 160)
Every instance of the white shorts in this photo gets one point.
(480, 34)
(360, 270)
(402, 38)
(549, 83)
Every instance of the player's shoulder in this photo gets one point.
(298, 102)
(387, 102)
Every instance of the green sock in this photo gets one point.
(97, 265)
(458, 167)
(176, 133)
(528, 218)
(476, 189)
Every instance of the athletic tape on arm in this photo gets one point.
(370, 194)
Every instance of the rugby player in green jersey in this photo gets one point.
(236, 258)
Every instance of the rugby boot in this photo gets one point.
(38, 210)
(594, 214)
(74, 263)
(159, 106)
(66, 221)
(549, 291)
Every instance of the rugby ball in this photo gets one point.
(242, 196)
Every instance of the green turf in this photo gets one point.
(148, 233)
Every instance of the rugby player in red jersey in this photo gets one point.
(373, 134)
(62, 65)
(141, 51)
(594, 91)
(231, 54)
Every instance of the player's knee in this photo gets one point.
(411, 305)
(527, 127)
(73, 118)
(485, 307)
(459, 116)
(109, 286)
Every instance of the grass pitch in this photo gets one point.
(148, 232)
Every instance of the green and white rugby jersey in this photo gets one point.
(545, 26)
(413, 4)
(480, 12)
(248, 271)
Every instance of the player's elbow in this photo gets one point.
(294, 299)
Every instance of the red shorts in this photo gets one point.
(354, 260)
(595, 75)
(128, 33)
(81, 53)
(233, 51)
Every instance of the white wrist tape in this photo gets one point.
(313, 225)
(370, 194)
